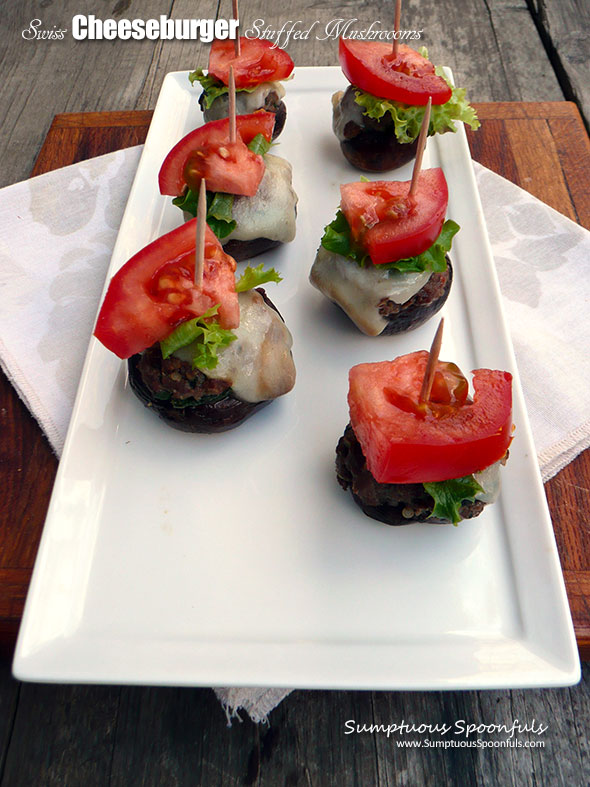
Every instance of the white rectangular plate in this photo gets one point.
(236, 559)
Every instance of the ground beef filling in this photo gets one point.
(393, 504)
(272, 101)
(433, 290)
(175, 377)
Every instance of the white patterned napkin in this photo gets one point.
(543, 264)
(57, 232)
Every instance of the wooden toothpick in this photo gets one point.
(420, 149)
(200, 236)
(232, 105)
(431, 364)
(237, 44)
(396, 24)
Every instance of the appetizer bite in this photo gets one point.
(204, 351)
(384, 259)
(259, 68)
(377, 119)
(418, 448)
(251, 204)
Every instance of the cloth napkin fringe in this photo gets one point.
(257, 703)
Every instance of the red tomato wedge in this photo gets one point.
(154, 292)
(406, 442)
(258, 62)
(409, 78)
(207, 152)
(390, 226)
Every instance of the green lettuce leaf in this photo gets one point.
(205, 336)
(337, 238)
(219, 210)
(219, 213)
(433, 259)
(255, 277)
(408, 119)
(187, 201)
(212, 87)
(260, 145)
(449, 495)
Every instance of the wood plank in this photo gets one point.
(179, 55)
(511, 61)
(9, 693)
(501, 766)
(78, 144)
(451, 766)
(567, 137)
(62, 735)
(306, 753)
(178, 736)
(490, 147)
(580, 700)
(67, 139)
(546, 110)
(42, 78)
(569, 141)
(546, 182)
(511, 146)
(559, 762)
(580, 580)
(103, 119)
(29, 468)
(155, 736)
(8, 635)
(564, 26)
(14, 583)
(568, 495)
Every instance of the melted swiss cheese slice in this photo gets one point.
(258, 364)
(270, 213)
(358, 291)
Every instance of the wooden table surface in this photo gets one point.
(501, 50)
(542, 147)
